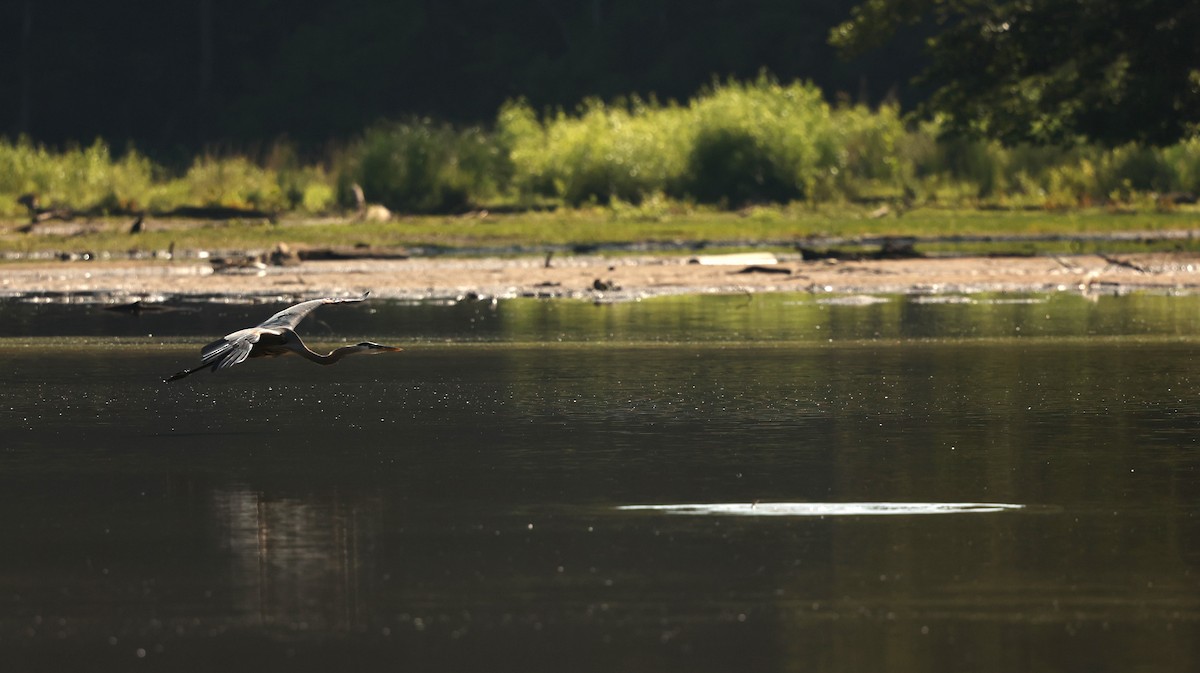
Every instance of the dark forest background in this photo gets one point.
(177, 77)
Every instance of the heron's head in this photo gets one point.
(372, 347)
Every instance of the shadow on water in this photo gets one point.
(459, 506)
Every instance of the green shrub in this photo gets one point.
(753, 142)
(1136, 168)
(625, 151)
(1184, 161)
(870, 141)
(736, 143)
(765, 142)
(425, 167)
(233, 182)
(86, 179)
(304, 187)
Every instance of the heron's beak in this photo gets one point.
(389, 349)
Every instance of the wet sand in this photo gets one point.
(598, 278)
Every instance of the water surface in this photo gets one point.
(459, 506)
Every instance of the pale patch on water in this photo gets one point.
(1015, 300)
(829, 508)
(941, 299)
(854, 300)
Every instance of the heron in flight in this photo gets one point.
(276, 336)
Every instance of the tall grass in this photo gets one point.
(93, 181)
(1077, 175)
(734, 144)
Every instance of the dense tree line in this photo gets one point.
(1051, 71)
(188, 75)
(177, 78)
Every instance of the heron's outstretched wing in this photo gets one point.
(289, 317)
(274, 336)
(225, 352)
(230, 350)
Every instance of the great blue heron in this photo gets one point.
(276, 336)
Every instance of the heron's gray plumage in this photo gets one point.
(276, 336)
(289, 317)
(231, 350)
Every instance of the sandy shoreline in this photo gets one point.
(597, 278)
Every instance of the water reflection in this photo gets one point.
(823, 509)
(739, 318)
(457, 506)
(298, 562)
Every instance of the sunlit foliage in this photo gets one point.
(736, 145)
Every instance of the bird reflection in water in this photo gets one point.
(299, 563)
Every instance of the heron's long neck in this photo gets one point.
(333, 356)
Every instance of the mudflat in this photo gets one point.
(600, 278)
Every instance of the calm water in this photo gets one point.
(458, 506)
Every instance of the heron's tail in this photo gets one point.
(178, 375)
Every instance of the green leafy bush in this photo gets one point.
(757, 142)
(426, 167)
(233, 182)
(734, 144)
(82, 178)
(624, 151)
